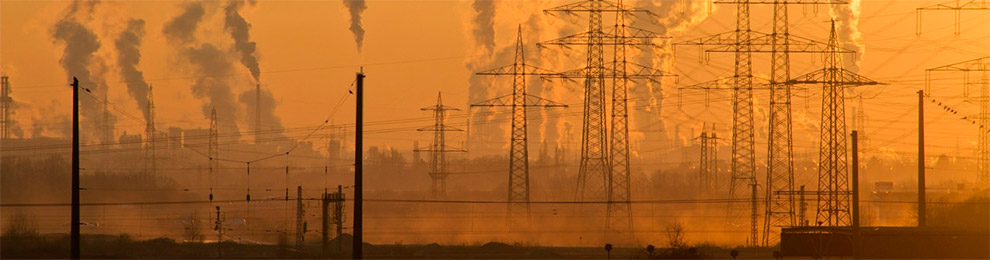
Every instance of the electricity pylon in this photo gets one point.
(438, 150)
(611, 166)
(518, 195)
(149, 148)
(956, 6)
(780, 158)
(833, 171)
(982, 67)
(708, 164)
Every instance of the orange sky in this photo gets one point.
(413, 49)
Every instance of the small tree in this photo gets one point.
(675, 235)
(20, 226)
(193, 229)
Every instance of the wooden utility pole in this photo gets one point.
(921, 159)
(855, 178)
(358, 171)
(74, 233)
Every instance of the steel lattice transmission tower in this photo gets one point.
(6, 103)
(779, 43)
(956, 6)
(598, 162)
(439, 149)
(149, 132)
(708, 164)
(980, 66)
(519, 101)
(743, 160)
(833, 171)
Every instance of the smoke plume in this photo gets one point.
(182, 29)
(355, 8)
(847, 22)
(240, 31)
(128, 56)
(207, 61)
(80, 45)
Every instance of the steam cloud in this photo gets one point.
(847, 18)
(483, 31)
(356, 7)
(484, 24)
(129, 55)
(80, 45)
(674, 18)
(206, 60)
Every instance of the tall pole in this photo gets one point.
(780, 157)
(855, 178)
(257, 112)
(921, 159)
(618, 215)
(358, 171)
(74, 235)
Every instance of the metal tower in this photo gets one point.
(780, 206)
(780, 157)
(6, 105)
(519, 101)
(438, 150)
(598, 162)
(708, 164)
(981, 66)
(594, 151)
(833, 171)
(149, 132)
(957, 7)
(214, 150)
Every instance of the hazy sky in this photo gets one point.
(413, 49)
